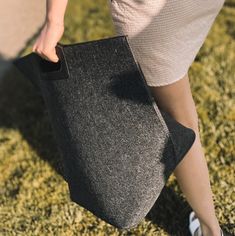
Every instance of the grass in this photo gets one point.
(34, 198)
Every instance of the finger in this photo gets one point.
(38, 51)
(50, 54)
(35, 45)
(54, 56)
(39, 40)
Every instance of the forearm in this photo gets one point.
(55, 11)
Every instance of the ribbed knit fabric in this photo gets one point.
(165, 35)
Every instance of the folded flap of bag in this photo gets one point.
(28, 66)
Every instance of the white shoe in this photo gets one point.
(194, 225)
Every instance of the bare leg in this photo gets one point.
(192, 172)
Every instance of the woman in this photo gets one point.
(165, 36)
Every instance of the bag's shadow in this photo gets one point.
(23, 108)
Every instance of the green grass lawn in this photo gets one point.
(34, 198)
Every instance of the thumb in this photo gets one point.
(50, 55)
(54, 56)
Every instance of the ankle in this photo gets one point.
(212, 230)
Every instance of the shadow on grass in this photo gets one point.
(22, 108)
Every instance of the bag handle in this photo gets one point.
(54, 70)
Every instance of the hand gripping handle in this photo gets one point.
(54, 70)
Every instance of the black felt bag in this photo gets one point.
(118, 148)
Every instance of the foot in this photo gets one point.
(194, 225)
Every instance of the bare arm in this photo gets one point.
(52, 30)
(56, 10)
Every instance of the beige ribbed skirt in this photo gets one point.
(165, 35)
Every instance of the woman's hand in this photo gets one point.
(52, 31)
(45, 44)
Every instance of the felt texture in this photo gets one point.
(118, 147)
